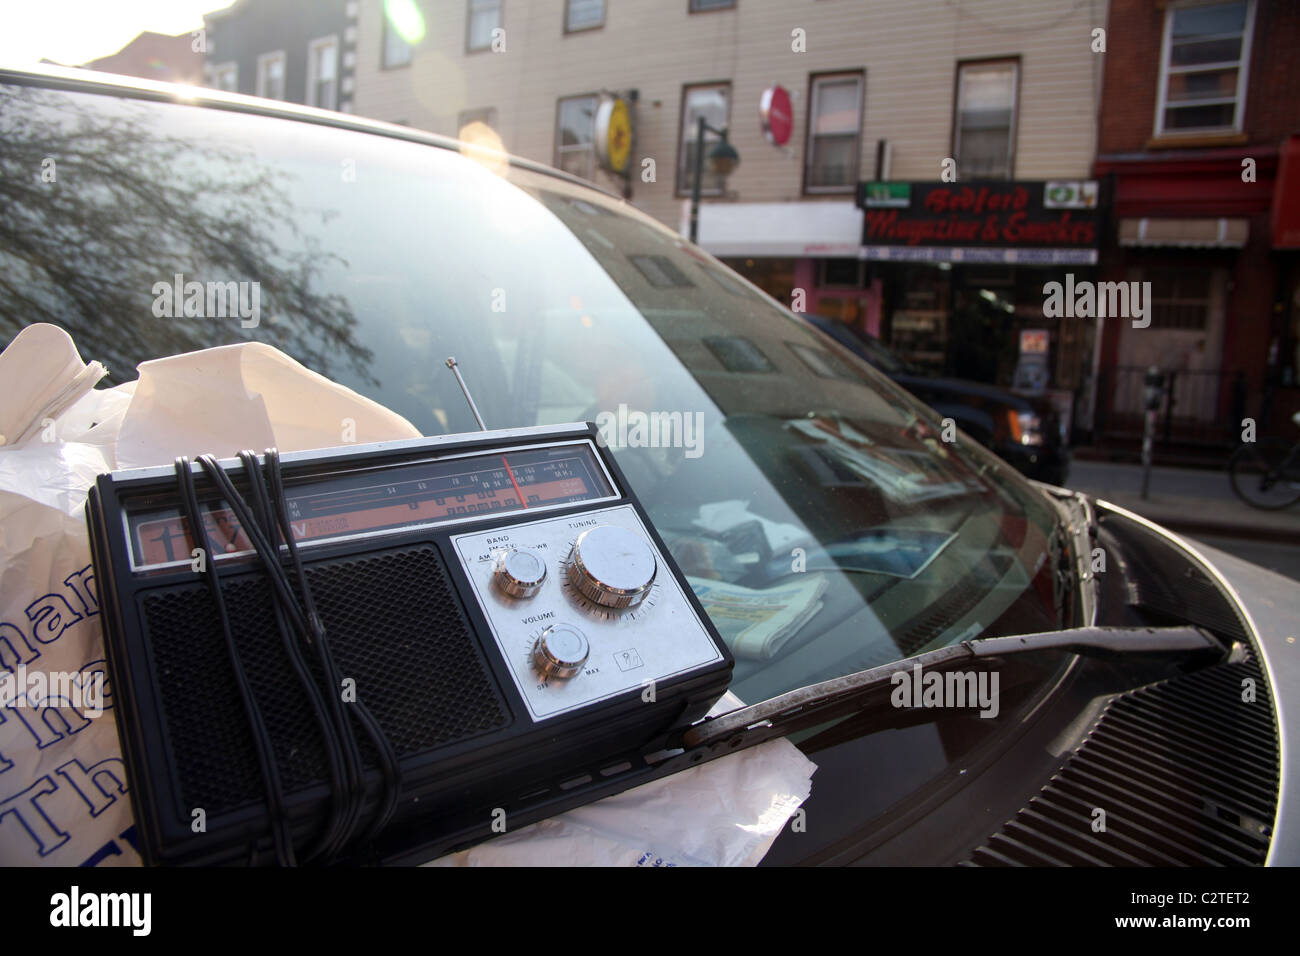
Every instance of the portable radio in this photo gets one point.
(496, 605)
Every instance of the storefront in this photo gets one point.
(965, 269)
(1215, 246)
(951, 276)
(804, 254)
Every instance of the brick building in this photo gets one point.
(1199, 106)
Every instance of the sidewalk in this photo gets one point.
(1185, 500)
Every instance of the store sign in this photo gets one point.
(1070, 195)
(886, 195)
(613, 135)
(980, 215)
(776, 115)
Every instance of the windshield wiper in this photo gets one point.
(854, 693)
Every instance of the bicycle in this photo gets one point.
(1266, 474)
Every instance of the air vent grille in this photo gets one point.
(1185, 771)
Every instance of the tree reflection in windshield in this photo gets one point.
(101, 203)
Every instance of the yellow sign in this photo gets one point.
(614, 135)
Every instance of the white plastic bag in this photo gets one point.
(726, 812)
(63, 797)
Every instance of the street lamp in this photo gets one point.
(723, 159)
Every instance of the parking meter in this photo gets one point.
(1153, 388)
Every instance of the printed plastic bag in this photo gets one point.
(63, 789)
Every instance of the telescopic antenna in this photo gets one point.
(451, 364)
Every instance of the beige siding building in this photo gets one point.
(880, 89)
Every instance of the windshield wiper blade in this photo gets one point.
(817, 703)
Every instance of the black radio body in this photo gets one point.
(499, 601)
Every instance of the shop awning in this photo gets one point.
(1184, 233)
(798, 229)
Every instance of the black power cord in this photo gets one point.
(387, 756)
(343, 773)
(264, 524)
(280, 832)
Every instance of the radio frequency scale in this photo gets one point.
(462, 623)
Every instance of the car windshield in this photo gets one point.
(827, 520)
(881, 357)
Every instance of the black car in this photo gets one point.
(1121, 649)
(1020, 427)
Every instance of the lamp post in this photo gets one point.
(723, 158)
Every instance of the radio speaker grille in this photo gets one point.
(394, 626)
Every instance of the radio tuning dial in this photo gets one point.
(561, 651)
(519, 574)
(612, 567)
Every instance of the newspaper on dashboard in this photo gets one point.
(756, 624)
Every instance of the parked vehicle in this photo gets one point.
(1126, 647)
(1020, 427)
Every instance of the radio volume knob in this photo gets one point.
(612, 567)
(519, 574)
(561, 651)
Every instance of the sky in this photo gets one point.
(74, 31)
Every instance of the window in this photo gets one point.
(944, 534)
(1203, 67)
(323, 73)
(834, 128)
(225, 76)
(712, 101)
(397, 51)
(702, 6)
(583, 15)
(841, 273)
(270, 75)
(484, 17)
(984, 128)
(575, 131)
(1180, 298)
(487, 116)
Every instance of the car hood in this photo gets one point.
(1267, 602)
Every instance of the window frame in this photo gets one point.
(313, 81)
(469, 25)
(385, 33)
(604, 11)
(809, 121)
(218, 69)
(1243, 73)
(1013, 131)
(262, 60)
(591, 146)
(682, 185)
